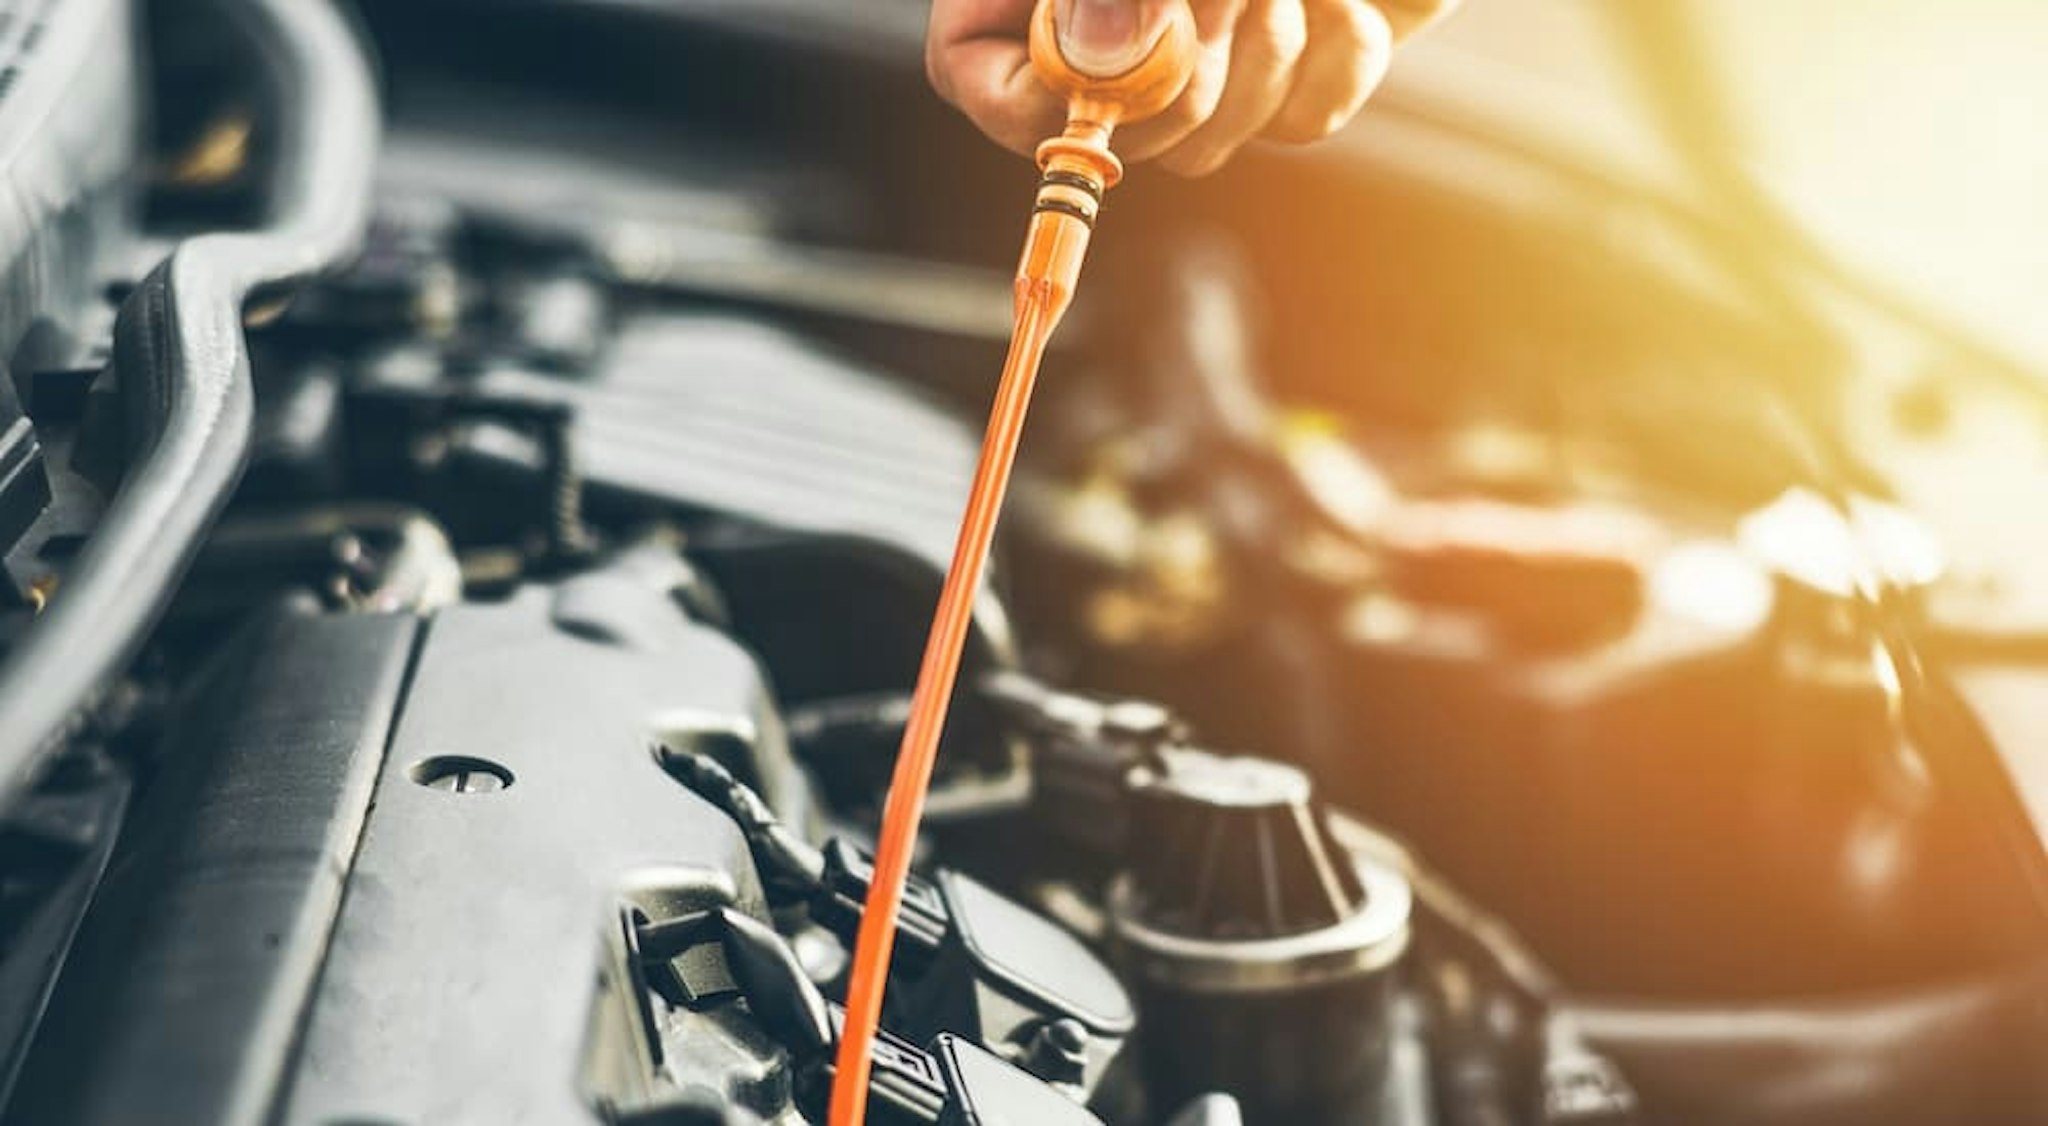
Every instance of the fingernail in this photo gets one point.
(1103, 37)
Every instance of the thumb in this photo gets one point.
(1105, 38)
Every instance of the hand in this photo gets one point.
(1289, 70)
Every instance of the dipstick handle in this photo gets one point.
(1077, 166)
(1144, 90)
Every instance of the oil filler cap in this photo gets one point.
(1235, 849)
(1261, 949)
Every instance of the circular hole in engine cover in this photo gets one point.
(460, 774)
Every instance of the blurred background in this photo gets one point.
(1896, 132)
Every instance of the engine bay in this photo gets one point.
(465, 577)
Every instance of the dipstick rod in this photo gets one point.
(1036, 317)
(1077, 169)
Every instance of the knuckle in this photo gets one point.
(1289, 28)
(1182, 118)
(1355, 21)
(1276, 40)
(1372, 31)
(1349, 62)
(1199, 103)
(1301, 126)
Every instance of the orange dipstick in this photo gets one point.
(1077, 168)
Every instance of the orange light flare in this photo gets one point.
(1077, 169)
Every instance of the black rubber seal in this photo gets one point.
(1065, 208)
(1074, 180)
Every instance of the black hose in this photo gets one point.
(789, 866)
(181, 356)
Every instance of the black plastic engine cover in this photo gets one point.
(191, 969)
(381, 874)
(459, 985)
(843, 489)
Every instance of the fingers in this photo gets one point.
(976, 58)
(991, 82)
(1264, 52)
(1350, 45)
(1197, 103)
(1294, 70)
(1291, 70)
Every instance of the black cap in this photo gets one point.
(1235, 848)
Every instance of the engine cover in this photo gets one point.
(489, 853)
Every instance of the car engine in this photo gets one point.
(475, 479)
